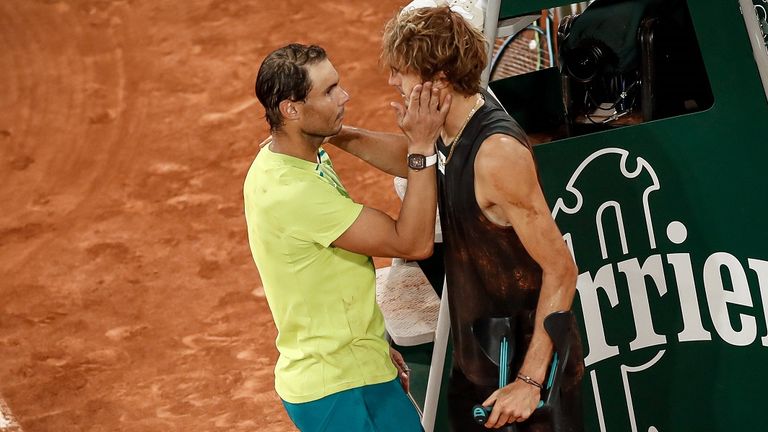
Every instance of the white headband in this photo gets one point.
(472, 10)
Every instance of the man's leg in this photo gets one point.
(343, 411)
(373, 408)
(390, 409)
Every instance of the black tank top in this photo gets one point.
(489, 272)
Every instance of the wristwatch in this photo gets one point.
(419, 161)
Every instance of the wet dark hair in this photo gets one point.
(283, 75)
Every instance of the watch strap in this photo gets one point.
(418, 161)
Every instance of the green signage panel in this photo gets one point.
(667, 223)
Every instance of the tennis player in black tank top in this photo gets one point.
(490, 274)
(504, 255)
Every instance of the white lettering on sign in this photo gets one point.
(726, 290)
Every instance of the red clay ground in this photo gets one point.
(128, 297)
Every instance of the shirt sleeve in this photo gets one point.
(317, 211)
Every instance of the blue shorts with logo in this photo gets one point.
(374, 408)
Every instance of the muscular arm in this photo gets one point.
(412, 234)
(508, 191)
(385, 151)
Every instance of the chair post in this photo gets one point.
(442, 332)
(490, 29)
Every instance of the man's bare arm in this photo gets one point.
(412, 234)
(508, 191)
(385, 151)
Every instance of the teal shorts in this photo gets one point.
(373, 408)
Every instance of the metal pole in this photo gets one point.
(434, 383)
(759, 48)
(490, 28)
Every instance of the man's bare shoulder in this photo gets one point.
(503, 155)
(505, 177)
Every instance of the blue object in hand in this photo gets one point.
(480, 414)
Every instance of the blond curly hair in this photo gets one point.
(427, 41)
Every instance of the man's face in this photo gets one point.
(404, 82)
(323, 110)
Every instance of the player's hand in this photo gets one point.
(513, 403)
(423, 119)
(403, 371)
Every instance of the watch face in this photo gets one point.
(417, 161)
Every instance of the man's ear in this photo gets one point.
(288, 110)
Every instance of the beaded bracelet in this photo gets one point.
(528, 380)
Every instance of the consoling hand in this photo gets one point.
(423, 119)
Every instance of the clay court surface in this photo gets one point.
(128, 297)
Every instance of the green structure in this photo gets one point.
(667, 223)
(666, 220)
